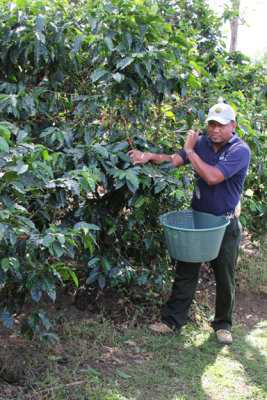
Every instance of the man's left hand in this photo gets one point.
(192, 136)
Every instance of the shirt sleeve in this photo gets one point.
(183, 155)
(236, 160)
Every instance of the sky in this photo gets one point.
(252, 36)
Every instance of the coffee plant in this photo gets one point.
(82, 83)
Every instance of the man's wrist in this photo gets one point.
(189, 151)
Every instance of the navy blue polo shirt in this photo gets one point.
(233, 161)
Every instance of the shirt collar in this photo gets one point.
(233, 138)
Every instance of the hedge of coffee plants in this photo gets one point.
(81, 84)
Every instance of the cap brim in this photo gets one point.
(218, 119)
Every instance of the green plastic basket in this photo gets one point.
(193, 236)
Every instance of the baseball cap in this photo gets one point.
(222, 113)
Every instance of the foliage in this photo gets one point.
(79, 87)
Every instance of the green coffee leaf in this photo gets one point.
(149, 240)
(41, 22)
(93, 262)
(99, 73)
(10, 262)
(47, 324)
(101, 281)
(77, 44)
(4, 145)
(112, 230)
(190, 120)
(92, 277)
(124, 62)
(48, 240)
(132, 177)
(73, 186)
(160, 186)
(3, 277)
(139, 202)
(5, 264)
(49, 287)
(128, 37)
(6, 318)
(118, 77)
(36, 291)
(4, 131)
(56, 249)
(74, 277)
(48, 338)
(105, 264)
(109, 43)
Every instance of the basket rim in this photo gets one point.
(193, 229)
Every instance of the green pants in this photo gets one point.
(174, 312)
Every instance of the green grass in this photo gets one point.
(98, 361)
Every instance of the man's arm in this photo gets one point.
(210, 174)
(138, 157)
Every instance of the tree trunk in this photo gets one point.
(234, 25)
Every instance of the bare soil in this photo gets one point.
(120, 307)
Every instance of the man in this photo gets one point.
(221, 161)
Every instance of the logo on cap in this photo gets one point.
(218, 110)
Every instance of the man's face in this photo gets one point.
(220, 134)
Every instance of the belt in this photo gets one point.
(230, 214)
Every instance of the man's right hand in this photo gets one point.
(138, 157)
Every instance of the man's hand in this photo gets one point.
(138, 157)
(191, 140)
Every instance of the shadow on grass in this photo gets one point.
(193, 365)
(179, 361)
(248, 349)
